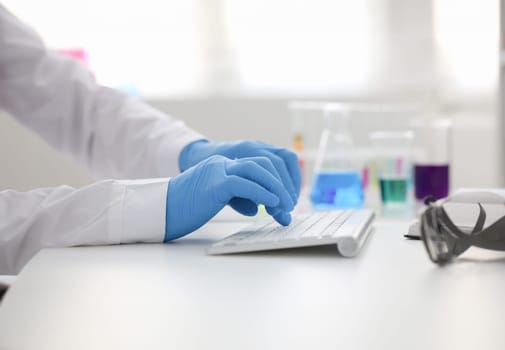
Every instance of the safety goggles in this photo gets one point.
(445, 239)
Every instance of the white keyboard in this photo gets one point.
(348, 229)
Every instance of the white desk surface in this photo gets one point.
(173, 296)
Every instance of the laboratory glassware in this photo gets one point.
(432, 163)
(392, 159)
(337, 180)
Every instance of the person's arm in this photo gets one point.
(117, 136)
(107, 212)
(113, 212)
(114, 135)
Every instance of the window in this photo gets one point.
(293, 46)
(322, 48)
(467, 46)
(147, 45)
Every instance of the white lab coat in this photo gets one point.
(115, 136)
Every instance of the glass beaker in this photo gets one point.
(432, 158)
(306, 125)
(392, 158)
(337, 179)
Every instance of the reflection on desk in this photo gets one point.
(174, 296)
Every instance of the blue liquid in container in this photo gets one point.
(337, 189)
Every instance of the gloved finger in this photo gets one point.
(244, 206)
(282, 169)
(279, 215)
(251, 170)
(293, 165)
(283, 218)
(290, 159)
(273, 211)
(264, 162)
(236, 186)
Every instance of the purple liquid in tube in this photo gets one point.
(431, 180)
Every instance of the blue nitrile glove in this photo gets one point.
(285, 162)
(199, 193)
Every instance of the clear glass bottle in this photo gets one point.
(337, 179)
(392, 159)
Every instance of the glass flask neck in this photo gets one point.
(336, 124)
(336, 143)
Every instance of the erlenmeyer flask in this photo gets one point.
(337, 180)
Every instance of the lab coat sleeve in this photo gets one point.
(114, 135)
(106, 212)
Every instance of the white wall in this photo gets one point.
(28, 163)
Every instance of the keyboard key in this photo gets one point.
(302, 227)
(330, 231)
(321, 225)
(335, 225)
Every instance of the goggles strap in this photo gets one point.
(481, 220)
(479, 225)
(492, 237)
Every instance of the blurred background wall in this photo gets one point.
(229, 67)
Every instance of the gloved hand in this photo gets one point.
(285, 162)
(199, 193)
